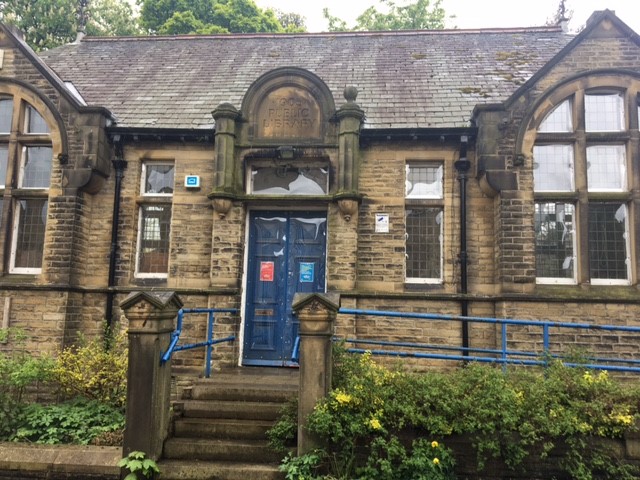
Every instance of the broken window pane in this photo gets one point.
(554, 228)
(604, 113)
(606, 168)
(424, 181)
(158, 179)
(289, 180)
(553, 168)
(608, 241)
(559, 119)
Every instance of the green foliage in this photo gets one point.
(50, 23)
(18, 373)
(210, 16)
(91, 371)
(522, 415)
(417, 15)
(139, 466)
(76, 422)
(283, 434)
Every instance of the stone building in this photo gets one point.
(237, 170)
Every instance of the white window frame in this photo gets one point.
(14, 244)
(139, 236)
(424, 205)
(574, 278)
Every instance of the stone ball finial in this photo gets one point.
(350, 93)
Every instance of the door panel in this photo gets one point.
(286, 255)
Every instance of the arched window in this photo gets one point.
(26, 154)
(583, 158)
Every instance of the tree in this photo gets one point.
(418, 15)
(50, 23)
(291, 22)
(563, 14)
(207, 16)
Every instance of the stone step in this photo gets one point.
(231, 409)
(246, 451)
(200, 470)
(221, 428)
(243, 393)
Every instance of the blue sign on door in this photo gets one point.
(307, 272)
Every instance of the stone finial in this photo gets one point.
(350, 93)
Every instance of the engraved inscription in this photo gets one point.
(289, 112)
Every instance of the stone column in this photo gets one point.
(151, 320)
(317, 314)
(226, 116)
(350, 117)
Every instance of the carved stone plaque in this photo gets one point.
(289, 112)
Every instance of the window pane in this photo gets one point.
(153, 245)
(36, 167)
(424, 181)
(604, 113)
(607, 241)
(34, 121)
(6, 112)
(289, 180)
(606, 169)
(423, 247)
(31, 218)
(4, 157)
(558, 120)
(554, 240)
(553, 168)
(158, 179)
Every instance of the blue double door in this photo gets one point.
(286, 256)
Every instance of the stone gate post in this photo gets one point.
(317, 314)
(151, 320)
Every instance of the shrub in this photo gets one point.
(380, 424)
(91, 371)
(19, 373)
(77, 422)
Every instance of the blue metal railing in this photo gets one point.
(502, 355)
(175, 336)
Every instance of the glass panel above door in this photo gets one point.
(289, 180)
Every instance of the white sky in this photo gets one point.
(468, 13)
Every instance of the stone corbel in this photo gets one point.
(348, 204)
(222, 202)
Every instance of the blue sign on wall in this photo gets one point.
(307, 272)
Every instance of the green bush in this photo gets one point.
(19, 372)
(369, 420)
(77, 422)
(91, 371)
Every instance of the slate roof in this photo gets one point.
(419, 79)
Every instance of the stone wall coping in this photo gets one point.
(69, 459)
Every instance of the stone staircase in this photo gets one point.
(219, 432)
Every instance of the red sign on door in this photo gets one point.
(266, 271)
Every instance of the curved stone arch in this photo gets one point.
(304, 90)
(44, 106)
(612, 79)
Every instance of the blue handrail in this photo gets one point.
(175, 335)
(503, 355)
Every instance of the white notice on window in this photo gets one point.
(382, 223)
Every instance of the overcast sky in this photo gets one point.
(468, 13)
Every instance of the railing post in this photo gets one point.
(151, 320)
(317, 314)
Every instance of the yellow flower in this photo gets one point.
(434, 444)
(343, 398)
(436, 461)
(375, 424)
